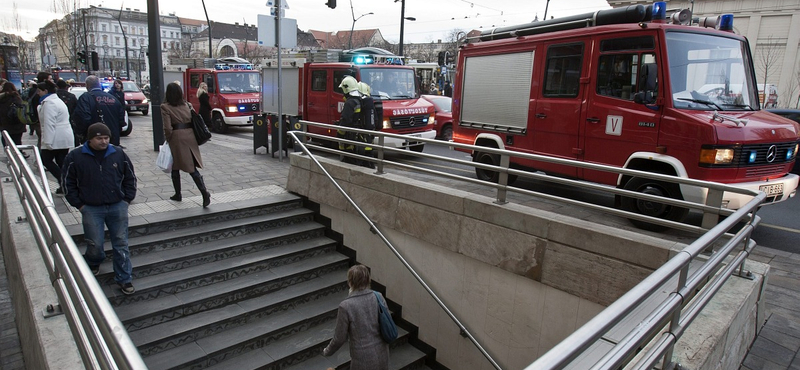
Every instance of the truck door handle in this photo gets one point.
(593, 120)
(541, 115)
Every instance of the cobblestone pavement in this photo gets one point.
(232, 172)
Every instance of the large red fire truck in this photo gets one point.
(640, 91)
(312, 93)
(234, 90)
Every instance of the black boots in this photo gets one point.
(198, 180)
(176, 183)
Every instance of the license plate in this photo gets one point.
(774, 189)
(134, 108)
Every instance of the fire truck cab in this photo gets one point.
(234, 91)
(640, 91)
(318, 97)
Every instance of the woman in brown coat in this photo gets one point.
(177, 118)
(357, 321)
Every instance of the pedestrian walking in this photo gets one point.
(71, 101)
(176, 116)
(357, 322)
(118, 91)
(99, 181)
(97, 105)
(57, 137)
(8, 96)
(205, 105)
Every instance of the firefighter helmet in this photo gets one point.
(348, 84)
(364, 88)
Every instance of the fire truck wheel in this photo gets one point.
(651, 208)
(486, 158)
(447, 133)
(218, 124)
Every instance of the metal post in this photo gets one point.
(402, 20)
(85, 44)
(125, 39)
(156, 73)
(280, 100)
(209, 32)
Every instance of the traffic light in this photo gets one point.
(449, 58)
(331, 4)
(82, 57)
(95, 61)
(441, 58)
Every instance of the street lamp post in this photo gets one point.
(350, 42)
(85, 44)
(402, 21)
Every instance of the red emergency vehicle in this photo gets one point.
(312, 93)
(637, 90)
(234, 89)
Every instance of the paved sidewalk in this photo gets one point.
(232, 172)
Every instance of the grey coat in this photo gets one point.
(358, 320)
(185, 151)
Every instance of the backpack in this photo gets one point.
(18, 114)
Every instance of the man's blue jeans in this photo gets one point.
(115, 216)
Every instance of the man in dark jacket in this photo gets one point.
(97, 105)
(99, 180)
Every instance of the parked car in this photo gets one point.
(794, 115)
(126, 128)
(444, 115)
(134, 98)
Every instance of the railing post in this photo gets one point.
(502, 180)
(379, 167)
(714, 199)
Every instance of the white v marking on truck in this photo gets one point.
(614, 125)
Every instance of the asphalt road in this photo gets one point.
(779, 229)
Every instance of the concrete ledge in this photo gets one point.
(47, 343)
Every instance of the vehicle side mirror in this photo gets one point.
(648, 83)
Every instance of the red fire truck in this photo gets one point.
(311, 91)
(234, 90)
(638, 90)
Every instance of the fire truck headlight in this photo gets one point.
(387, 124)
(145, 101)
(432, 120)
(716, 156)
(232, 109)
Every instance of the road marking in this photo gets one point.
(783, 228)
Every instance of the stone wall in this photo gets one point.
(519, 279)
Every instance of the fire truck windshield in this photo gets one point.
(239, 82)
(390, 83)
(710, 72)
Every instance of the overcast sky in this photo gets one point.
(435, 19)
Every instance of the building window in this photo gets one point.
(133, 41)
(103, 27)
(118, 53)
(116, 40)
(116, 29)
(163, 33)
(105, 39)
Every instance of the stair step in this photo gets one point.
(146, 312)
(228, 344)
(173, 333)
(210, 232)
(196, 276)
(169, 260)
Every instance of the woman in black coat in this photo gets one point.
(118, 92)
(9, 95)
(205, 106)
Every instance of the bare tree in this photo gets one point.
(68, 32)
(768, 53)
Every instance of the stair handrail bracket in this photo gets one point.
(101, 338)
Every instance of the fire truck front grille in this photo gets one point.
(409, 122)
(764, 154)
(764, 171)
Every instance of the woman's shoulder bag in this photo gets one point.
(201, 133)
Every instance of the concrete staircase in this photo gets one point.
(253, 285)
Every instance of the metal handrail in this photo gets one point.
(678, 310)
(102, 340)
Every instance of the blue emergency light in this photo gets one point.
(726, 22)
(363, 59)
(789, 154)
(752, 157)
(660, 11)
